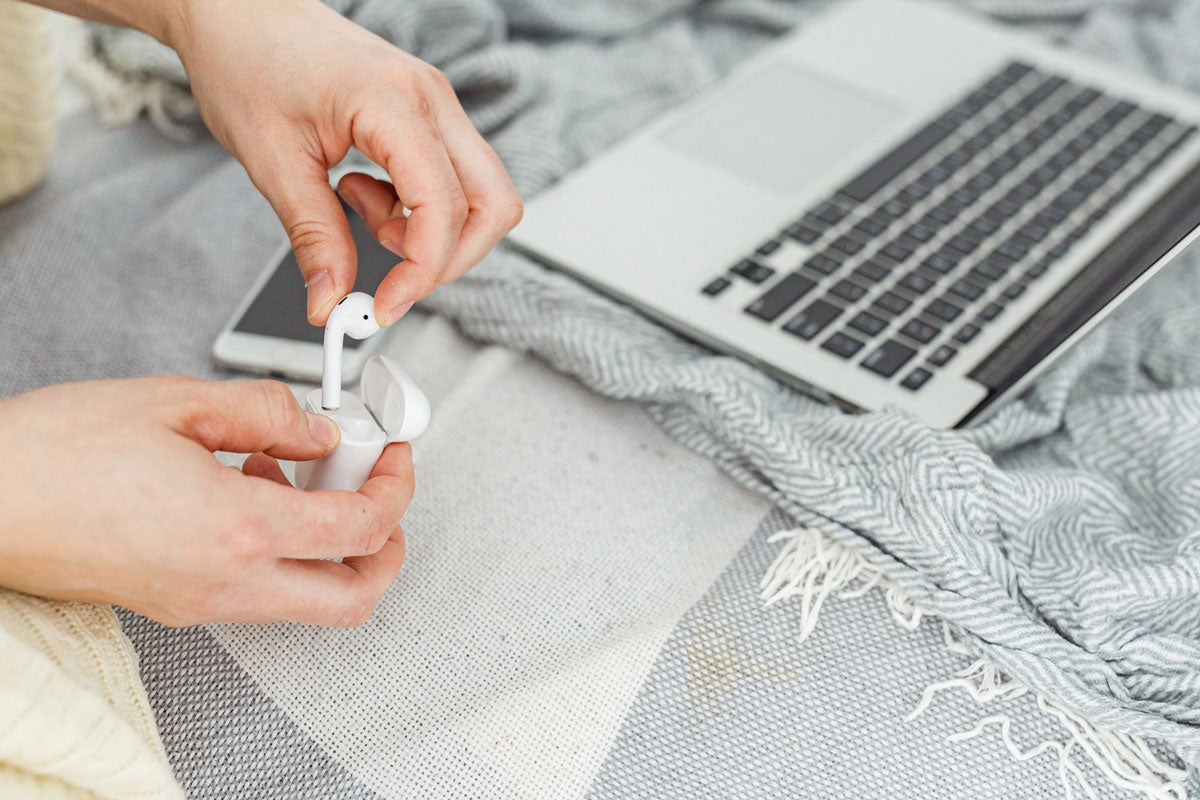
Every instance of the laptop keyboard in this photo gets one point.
(912, 259)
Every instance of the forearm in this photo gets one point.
(155, 17)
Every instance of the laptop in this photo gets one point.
(900, 204)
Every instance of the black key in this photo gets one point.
(717, 286)
(848, 290)
(942, 262)
(916, 379)
(1014, 248)
(966, 333)
(984, 226)
(889, 358)
(916, 283)
(871, 272)
(994, 267)
(812, 320)
(920, 331)
(752, 270)
(830, 213)
(823, 264)
(768, 247)
(867, 323)
(964, 244)
(895, 207)
(967, 290)
(914, 192)
(1014, 290)
(943, 309)
(892, 303)
(883, 171)
(941, 357)
(842, 345)
(919, 233)
(896, 251)
(870, 227)
(980, 277)
(802, 233)
(847, 245)
(943, 215)
(780, 297)
(1038, 269)
(990, 312)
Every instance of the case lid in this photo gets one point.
(391, 394)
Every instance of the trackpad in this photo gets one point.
(781, 127)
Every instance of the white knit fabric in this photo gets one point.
(74, 718)
(28, 108)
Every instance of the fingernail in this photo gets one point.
(351, 200)
(390, 245)
(396, 313)
(320, 292)
(323, 429)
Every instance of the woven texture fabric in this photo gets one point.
(1060, 536)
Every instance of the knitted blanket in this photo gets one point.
(1061, 539)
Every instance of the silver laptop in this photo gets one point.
(900, 204)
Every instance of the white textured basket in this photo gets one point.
(28, 106)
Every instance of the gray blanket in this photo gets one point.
(1062, 537)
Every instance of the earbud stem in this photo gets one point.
(331, 370)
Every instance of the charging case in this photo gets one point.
(390, 407)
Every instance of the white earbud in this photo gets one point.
(353, 316)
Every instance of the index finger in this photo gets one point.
(409, 147)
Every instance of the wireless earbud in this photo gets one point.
(389, 407)
(353, 316)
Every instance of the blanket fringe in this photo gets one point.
(119, 99)
(813, 567)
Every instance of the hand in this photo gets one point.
(288, 86)
(109, 492)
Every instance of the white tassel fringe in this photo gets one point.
(813, 567)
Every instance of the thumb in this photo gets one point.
(256, 417)
(316, 226)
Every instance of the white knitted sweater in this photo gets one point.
(28, 111)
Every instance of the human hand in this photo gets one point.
(109, 492)
(288, 86)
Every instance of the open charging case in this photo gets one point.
(389, 407)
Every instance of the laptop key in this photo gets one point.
(887, 360)
(916, 283)
(849, 291)
(768, 247)
(843, 345)
(823, 264)
(781, 297)
(752, 271)
(966, 290)
(802, 233)
(990, 311)
(812, 320)
(868, 323)
(943, 309)
(892, 303)
(941, 356)
(871, 272)
(919, 330)
(717, 286)
(942, 262)
(847, 245)
(916, 379)
(966, 333)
